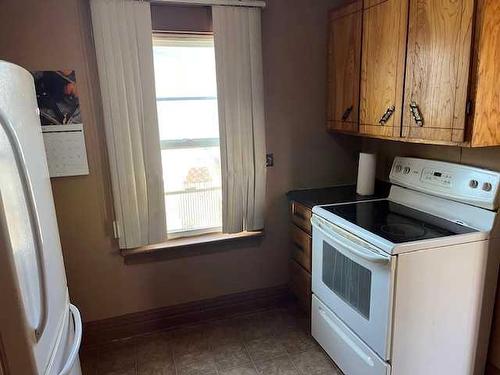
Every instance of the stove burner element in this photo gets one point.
(403, 230)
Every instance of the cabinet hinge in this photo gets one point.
(468, 107)
(116, 229)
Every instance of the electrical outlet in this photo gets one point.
(269, 160)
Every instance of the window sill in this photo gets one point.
(189, 242)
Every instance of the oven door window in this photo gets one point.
(347, 279)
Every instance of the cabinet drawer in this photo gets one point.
(301, 216)
(301, 246)
(300, 285)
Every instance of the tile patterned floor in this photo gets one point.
(273, 342)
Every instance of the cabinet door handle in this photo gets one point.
(415, 112)
(347, 113)
(387, 115)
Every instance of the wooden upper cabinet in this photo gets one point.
(429, 71)
(382, 67)
(437, 69)
(484, 121)
(344, 55)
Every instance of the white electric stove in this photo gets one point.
(405, 285)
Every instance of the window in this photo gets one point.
(186, 97)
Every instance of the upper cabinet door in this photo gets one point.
(485, 91)
(437, 69)
(382, 67)
(344, 57)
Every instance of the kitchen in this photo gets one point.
(104, 284)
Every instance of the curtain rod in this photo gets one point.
(238, 3)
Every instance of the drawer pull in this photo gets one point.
(347, 113)
(387, 115)
(417, 116)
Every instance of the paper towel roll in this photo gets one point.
(366, 174)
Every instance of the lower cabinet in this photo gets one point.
(301, 247)
(300, 255)
(300, 285)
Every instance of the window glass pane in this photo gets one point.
(184, 71)
(193, 196)
(191, 168)
(192, 119)
(189, 131)
(194, 211)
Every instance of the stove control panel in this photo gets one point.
(437, 177)
(475, 186)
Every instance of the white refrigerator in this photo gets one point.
(40, 331)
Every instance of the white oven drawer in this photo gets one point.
(351, 354)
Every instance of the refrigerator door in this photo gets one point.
(16, 343)
(29, 217)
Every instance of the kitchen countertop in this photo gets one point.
(336, 194)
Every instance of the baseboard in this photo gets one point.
(491, 370)
(106, 330)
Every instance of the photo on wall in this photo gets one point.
(57, 97)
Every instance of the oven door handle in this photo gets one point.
(365, 252)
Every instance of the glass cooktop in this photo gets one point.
(395, 222)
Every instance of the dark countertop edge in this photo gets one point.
(336, 194)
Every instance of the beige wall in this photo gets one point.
(487, 157)
(55, 34)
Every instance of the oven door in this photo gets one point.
(355, 280)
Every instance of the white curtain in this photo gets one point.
(123, 41)
(238, 57)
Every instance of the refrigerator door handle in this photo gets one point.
(75, 346)
(33, 218)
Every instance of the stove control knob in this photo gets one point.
(487, 186)
(406, 170)
(473, 184)
(398, 168)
